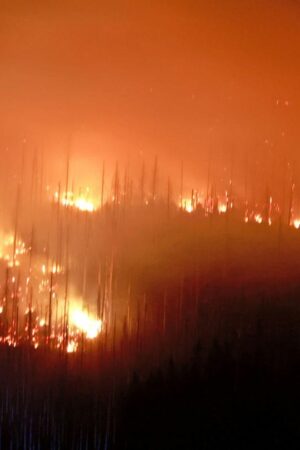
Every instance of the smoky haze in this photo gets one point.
(149, 224)
(128, 80)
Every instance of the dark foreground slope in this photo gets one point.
(241, 391)
(244, 396)
(210, 358)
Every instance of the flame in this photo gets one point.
(84, 205)
(296, 224)
(82, 202)
(54, 269)
(187, 205)
(82, 321)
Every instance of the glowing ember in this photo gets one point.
(222, 208)
(7, 243)
(72, 347)
(258, 218)
(56, 269)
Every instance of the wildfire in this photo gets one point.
(187, 205)
(7, 249)
(222, 208)
(296, 224)
(39, 329)
(82, 202)
(258, 218)
(72, 347)
(83, 322)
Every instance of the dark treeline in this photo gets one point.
(236, 388)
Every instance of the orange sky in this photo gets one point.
(132, 78)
